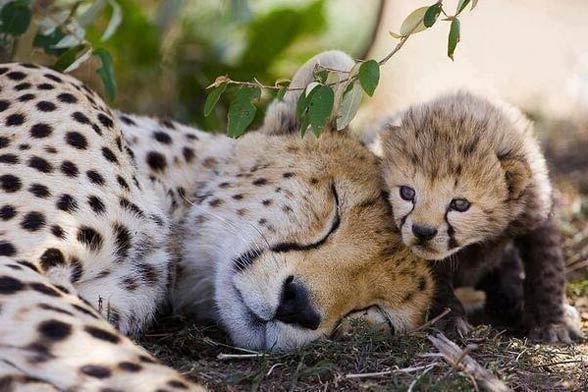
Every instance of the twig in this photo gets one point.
(577, 264)
(564, 362)
(387, 372)
(456, 357)
(219, 344)
(333, 69)
(427, 370)
(222, 356)
(269, 372)
(398, 46)
(432, 321)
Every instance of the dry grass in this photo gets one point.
(410, 362)
(397, 362)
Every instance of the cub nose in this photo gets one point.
(424, 233)
(295, 307)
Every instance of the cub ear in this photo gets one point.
(517, 175)
(281, 114)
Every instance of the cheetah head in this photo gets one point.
(460, 171)
(294, 235)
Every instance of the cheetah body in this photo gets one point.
(105, 217)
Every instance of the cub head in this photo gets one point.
(460, 171)
(294, 235)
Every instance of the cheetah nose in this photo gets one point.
(295, 307)
(423, 233)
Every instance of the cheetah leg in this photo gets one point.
(57, 338)
(545, 309)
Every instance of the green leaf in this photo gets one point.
(453, 37)
(369, 76)
(81, 58)
(303, 104)
(114, 22)
(242, 111)
(47, 42)
(394, 35)
(15, 17)
(461, 5)
(474, 4)
(349, 105)
(89, 16)
(414, 22)
(281, 92)
(320, 107)
(69, 57)
(106, 73)
(321, 75)
(304, 99)
(212, 98)
(283, 84)
(431, 15)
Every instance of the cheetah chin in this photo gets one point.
(106, 217)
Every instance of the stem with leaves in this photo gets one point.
(316, 103)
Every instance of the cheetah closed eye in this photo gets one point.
(103, 217)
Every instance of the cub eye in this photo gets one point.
(407, 193)
(460, 205)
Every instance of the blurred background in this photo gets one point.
(532, 53)
(165, 53)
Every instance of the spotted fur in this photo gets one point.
(106, 216)
(467, 179)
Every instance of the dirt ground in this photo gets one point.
(410, 362)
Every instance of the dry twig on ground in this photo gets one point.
(460, 360)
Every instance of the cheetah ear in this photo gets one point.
(280, 118)
(517, 175)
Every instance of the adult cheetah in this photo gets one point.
(106, 216)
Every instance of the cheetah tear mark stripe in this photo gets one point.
(403, 219)
(242, 262)
(452, 243)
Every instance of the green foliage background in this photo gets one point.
(184, 46)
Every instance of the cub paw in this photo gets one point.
(565, 331)
(456, 325)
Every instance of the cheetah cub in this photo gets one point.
(469, 187)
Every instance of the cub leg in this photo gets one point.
(455, 321)
(546, 314)
(503, 286)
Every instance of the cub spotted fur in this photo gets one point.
(468, 185)
(106, 216)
